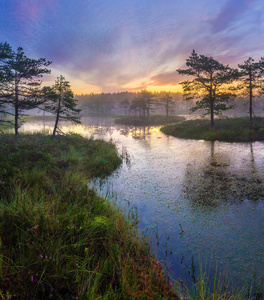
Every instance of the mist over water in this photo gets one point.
(213, 191)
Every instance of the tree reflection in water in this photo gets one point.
(217, 180)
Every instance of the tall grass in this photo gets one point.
(210, 284)
(59, 239)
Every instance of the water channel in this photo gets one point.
(203, 202)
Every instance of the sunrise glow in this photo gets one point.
(131, 45)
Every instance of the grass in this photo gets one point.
(58, 238)
(151, 121)
(227, 129)
(217, 288)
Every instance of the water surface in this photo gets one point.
(213, 191)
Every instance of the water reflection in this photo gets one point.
(214, 190)
(217, 178)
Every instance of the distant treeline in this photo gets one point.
(124, 103)
(121, 103)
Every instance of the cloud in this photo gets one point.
(231, 14)
(118, 44)
(167, 78)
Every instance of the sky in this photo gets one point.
(130, 45)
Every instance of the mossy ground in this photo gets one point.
(226, 129)
(151, 121)
(59, 239)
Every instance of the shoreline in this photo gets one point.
(56, 231)
(226, 130)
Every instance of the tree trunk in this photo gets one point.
(212, 117)
(167, 109)
(56, 124)
(212, 111)
(250, 98)
(57, 117)
(16, 119)
(212, 98)
(16, 109)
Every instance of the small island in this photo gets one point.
(225, 129)
(212, 87)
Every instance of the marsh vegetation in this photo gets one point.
(213, 189)
(225, 129)
(59, 238)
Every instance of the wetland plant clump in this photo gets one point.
(226, 129)
(151, 121)
(59, 239)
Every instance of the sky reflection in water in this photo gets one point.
(215, 190)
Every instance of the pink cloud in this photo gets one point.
(167, 78)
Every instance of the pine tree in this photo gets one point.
(210, 84)
(21, 81)
(5, 54)
(166, 99)
(125, 105)
(60, 102)
(145, 101)
(251, 73)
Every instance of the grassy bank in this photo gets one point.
(151, 121)
(59, 239)
(227, 129)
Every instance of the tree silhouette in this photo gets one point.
(138, 106)
(251, 76)
(125, 105)
(166, 99)
(20, 81)
(60, 102)
(144, 102)
(5, 54)
(210, 84)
